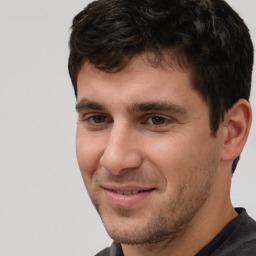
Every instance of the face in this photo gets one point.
(145, 150)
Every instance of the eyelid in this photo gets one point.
(150, 115)
(167, 119)
(88, 114)
(85, 118)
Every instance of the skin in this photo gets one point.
(146, 128)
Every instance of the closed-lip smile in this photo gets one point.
(126, 196)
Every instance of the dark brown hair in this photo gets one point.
(207, 37)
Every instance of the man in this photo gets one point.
(162, 99)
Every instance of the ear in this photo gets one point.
(237, 123)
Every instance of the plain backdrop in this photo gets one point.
(44, 207)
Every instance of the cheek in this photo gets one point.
(88, 152)
(183, 160)
(168, 158)
(170, 153)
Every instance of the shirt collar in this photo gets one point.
(116, 250)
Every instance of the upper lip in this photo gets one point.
(127, 187)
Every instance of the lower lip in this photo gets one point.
(126, 200)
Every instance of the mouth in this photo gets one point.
(127, 197)
(130, 192)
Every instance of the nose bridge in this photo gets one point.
(121, 151)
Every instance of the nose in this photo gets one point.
(122, 151)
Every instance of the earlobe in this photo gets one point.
(237, 123)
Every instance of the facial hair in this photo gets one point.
(166, 222)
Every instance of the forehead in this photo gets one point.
(138, 81)
(144, 64)
(167, 59)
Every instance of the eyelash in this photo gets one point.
(149, 120)
(163, 120)
(90, 119)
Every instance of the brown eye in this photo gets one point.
(157, 120)
(98, 119)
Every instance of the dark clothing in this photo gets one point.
(238, 238)
(114, 250)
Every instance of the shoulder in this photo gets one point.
(105, 252)
(114, 250)
(244, 236)
(241, 240)
(238, 238)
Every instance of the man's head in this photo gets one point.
(159, 87)
(205, 37)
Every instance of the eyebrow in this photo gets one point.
(157, 106)
(86, 104)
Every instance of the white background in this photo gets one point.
(44, 207)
